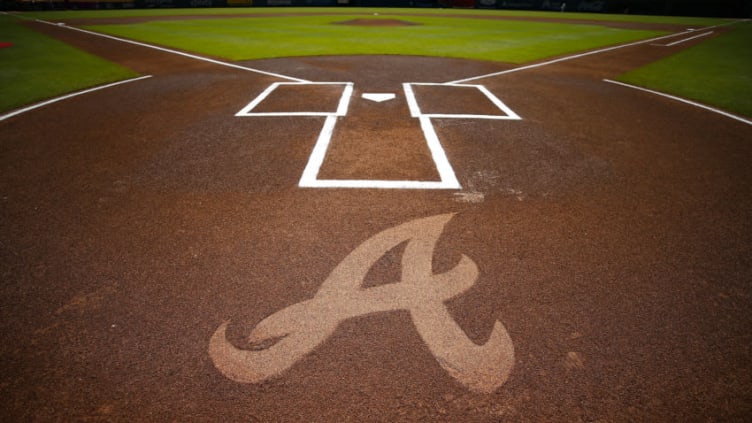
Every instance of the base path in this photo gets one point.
(161, 262)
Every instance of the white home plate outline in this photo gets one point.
(447, 177)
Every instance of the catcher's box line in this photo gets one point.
(310, 179)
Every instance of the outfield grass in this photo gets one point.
(717, 72)
(37, 67)
(266, 37)
(677, 20)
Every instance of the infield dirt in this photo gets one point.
(610, 229)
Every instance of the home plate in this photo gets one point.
(379, 97)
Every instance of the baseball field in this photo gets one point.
(351, 214)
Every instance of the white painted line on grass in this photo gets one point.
(579, 55)
(67, 96)
(179, 53)
(684, 40)
(685, 101)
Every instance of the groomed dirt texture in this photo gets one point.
(611, 230)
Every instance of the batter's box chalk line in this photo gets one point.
(310, 179)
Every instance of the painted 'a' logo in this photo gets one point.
(300, 328)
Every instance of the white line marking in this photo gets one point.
(498, 103)
(316, 159)
(692, 103)
(579, 55)
(311, 172)
(377, 184)
(245, 111)
(179, 53)
(682, 40)
(412, 102)
(67, 96)
(446, 173)
(344, 101)
(379, 97)
(416, 112)
(448, 180)
(310, 179)
(341, 106)
(688, 39)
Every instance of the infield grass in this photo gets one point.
(267, 37)
(717, 72)
(37, 67)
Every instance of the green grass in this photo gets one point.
(677, 20)
(37, 67)
(717, 72)
(254, 38)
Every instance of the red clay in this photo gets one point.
(610, 229)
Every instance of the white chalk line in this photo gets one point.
(585, 54)
(341, 107)
(67, 96)
(310, 177)
(415, 111)
(177, 52)
(683, 100)
(447, 176)
(683, 40)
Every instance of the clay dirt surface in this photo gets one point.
(611, 231)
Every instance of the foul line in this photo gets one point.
(67, 96)
(672, 97)
(683, 40)
(587, 53)
(179, 53)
